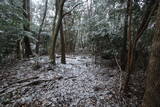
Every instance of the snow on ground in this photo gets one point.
(79, 83)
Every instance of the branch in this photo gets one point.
(44, 16)
(71, 9)
(146, 19)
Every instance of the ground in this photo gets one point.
(79, 83)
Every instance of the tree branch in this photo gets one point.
(146, 19)
(71, 9)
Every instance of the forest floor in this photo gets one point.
(79, 83)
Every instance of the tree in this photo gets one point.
(26, 13)
(26, 26)
(40, 28)
(152, 6)
(152, 92)
(58, 26)
(58, 21)
(63, 57)
(129, 62)
(124, 47)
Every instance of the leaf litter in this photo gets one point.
(79, 83)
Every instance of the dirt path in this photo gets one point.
(79, 83)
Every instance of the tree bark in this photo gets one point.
(56, 30)
(27, 47)
(132, 43)
(129, 62)
(26, 13)
(124, 48)
(18, 49)
(26, 7)
(40, 28)
(152, 92)
(63, 56)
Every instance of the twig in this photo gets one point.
(120, 69)
(71, 9)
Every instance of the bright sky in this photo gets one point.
(36, 1)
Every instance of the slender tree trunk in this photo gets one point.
(124, 48)
(53, 25)
(56, 30)
(40, 28)
(152, 92)
(129, 62)
(26, 7)
(27, 47)
(63, 58)
(18, 49)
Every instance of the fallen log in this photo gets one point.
(13, 83)
(24, 80)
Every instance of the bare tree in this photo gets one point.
(58, 25)
(58, 21)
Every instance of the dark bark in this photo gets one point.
(152, 92)
(129, 59)
(56, 29)
(18, 52)
(124, 48)
(27, 47)
(26, 13)
(26, 7)
(151, 8)
(132, 43)
(40, 28)
(63, 56)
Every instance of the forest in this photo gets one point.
(79, 53)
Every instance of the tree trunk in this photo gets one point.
(63, 58)
(152, 93)
(124, 48)
(56, 30)
(26, 7)
(133, 43)
(40, 28)
(27, 47)
(18, 49)
(129, 62)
